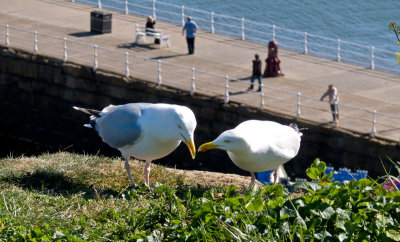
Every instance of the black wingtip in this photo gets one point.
(296, 128)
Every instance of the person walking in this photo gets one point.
(256, 73)
(191, 28)
(333, 101)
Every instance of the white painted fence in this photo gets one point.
(198, 81)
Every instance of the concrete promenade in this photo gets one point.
(358, 86)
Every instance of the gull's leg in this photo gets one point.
(147, 172)
(275, 176)
(253, 178)
(128, 169)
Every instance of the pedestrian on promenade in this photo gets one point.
(272, 63)
(333, 101)
(150, 22)
(190, 28)
(256, 73)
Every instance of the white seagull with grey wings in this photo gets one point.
(257, 146)
(144, 131)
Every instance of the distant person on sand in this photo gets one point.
(150, 22)
(256, 73)
(333, 101)
(191, 29)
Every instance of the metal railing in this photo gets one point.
(199, 81)
(244, 29)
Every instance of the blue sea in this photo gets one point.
(359, 24)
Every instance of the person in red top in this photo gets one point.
(272, 67)
(256, 73)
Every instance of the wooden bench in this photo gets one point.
(142, 33)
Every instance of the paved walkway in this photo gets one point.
(358, 86)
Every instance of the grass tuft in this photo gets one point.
(73, 197)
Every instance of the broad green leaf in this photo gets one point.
(322, 234)
(340, 223)
(38, 233)
(255, 191)
(286, 212)
(313, 173)
(309, 186)
(326, 211)
(176, 221)
(343, 237)
(58, 235)
(257, 204)
(345, 214)
(393, 234)
(230, 190)
(300, 221)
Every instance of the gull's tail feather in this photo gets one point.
(93, 112)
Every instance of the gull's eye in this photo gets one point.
(227, 141)
(180, 127)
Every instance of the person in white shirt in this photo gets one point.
(333, 101)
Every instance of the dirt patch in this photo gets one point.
(215, 179)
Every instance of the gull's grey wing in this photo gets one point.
(120, 127)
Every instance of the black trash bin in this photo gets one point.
(100, 22)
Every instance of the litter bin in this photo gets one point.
(100, 22)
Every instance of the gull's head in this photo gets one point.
(185, 125)
(228, 140)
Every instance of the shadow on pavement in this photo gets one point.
(84, 34)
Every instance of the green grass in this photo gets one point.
(70, 197)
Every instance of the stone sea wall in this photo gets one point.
(37, 94)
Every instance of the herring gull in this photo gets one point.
(144, 131)
(257, 146)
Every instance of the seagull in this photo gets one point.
(145, 131)
(257, 146)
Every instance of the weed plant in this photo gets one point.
(70, 197)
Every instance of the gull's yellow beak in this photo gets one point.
(191, 147)
(207, 146)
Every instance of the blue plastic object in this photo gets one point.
(265, 177)
(345, 174)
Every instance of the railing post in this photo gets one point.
(159, 79)
(183, 15)
(305, 44)
(298, 112)
(243, 36)
(95, 63)
(273, 32)
(126, 7)
(35, 43)
(127, 74)
(338, 50)
(212, 23)
(372, 57)
(7, 35)
(373, 131)
(154, 9)
(192, 86)
(262, 96)
(99, 3)
(65, 57)
(226, 95)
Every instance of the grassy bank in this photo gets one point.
(80, 197)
